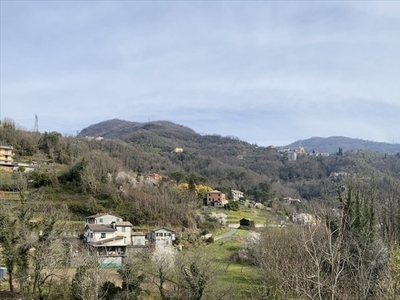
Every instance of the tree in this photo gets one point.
(15, 228)
(196, 271)
(49, 252)
(132, 277)
(9, 236)
(82, 286)
(89, 279)
(389, 279)
(32, 245)
(164, 262)
(338, 258)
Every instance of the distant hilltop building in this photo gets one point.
(92, 138)
(178, 150)
(316, 153)
(297, 153)
(292, 155)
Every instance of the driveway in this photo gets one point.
(226, 235)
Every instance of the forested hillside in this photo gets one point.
(139, 149)
(226, 162)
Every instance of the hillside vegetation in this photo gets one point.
(349, 250)
(108, 172)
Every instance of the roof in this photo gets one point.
(138, 233)
(123, 223)
(215, 191)
(100, 215)
(100, 227)
(160, 228)
(103, 241)
(6, 147)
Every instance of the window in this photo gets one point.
(165, 234)
(91, 235)
(100, 220)
(139, 242)
(117, 219)
(123, 228)
(103, 235)
(169, 234)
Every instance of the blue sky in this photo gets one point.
(267, 72)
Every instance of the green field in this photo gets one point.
(259, 215)
(235, 276)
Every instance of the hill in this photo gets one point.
(333, 143)
(136, 150)
(179, 136)
(227, 162)
(120, 129)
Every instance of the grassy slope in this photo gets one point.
(259, 215)
(237, 277)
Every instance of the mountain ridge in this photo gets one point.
(333, 143)
(180, 135)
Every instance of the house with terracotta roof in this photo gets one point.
(216, 198)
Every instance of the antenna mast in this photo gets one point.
(36, 129)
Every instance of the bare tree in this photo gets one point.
(196, 272)
(164, 263)
(389, 279)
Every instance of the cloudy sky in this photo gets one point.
(267, 72)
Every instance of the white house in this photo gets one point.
(124, 229)
(98, 232)
(103, 218)
(292, 155)
(306, 219)
(138, 239)
(109, 236)
(237, 195)
(162, 237)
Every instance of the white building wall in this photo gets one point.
(127, 234)
(139, 240)
(163, 238)
(92, 237)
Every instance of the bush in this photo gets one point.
(210, 240)
(232, 205)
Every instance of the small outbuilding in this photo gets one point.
(246, 222)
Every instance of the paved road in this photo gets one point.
(234, 227)
(226, 235)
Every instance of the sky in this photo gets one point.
(267, 72)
